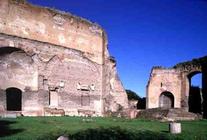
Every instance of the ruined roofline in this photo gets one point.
(56, 11)
(197, 61)
(80, 19)
(68, 14)
(161, 67)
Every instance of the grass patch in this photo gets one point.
(79, 128)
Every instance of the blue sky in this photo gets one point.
(145, 33)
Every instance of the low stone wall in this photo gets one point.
(167, 114)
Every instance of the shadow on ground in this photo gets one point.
(6, 130)
(112, 133)
(116, 133)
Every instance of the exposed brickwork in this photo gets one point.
(176, 80)
(57, 60)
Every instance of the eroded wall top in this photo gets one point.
(46, 25)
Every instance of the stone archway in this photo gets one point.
(166, 100)
(177, 79)
(189, 69)
(194, 94)
(13, 99)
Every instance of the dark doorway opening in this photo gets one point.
(166, 100)
(195, 99)
(14, 99)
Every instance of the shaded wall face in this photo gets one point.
(162, 80)
(195, 100)
(204, 89)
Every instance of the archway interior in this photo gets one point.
(13, 99)
(166, 100)
(195, 99)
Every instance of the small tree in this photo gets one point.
(132, 95)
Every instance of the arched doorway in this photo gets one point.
(195, 98)
(13, 99)
(166, 100)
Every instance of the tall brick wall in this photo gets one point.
(62, 63)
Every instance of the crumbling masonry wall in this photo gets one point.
(162, 80)
(177, 80)
(58, 61)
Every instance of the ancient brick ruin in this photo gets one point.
(55, 63)
(170, 87)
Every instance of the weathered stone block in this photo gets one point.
(175, 128)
